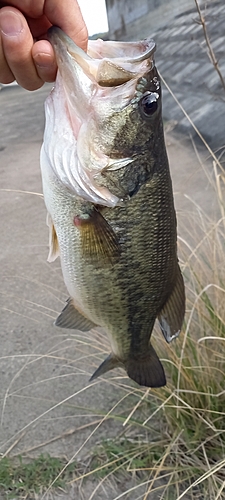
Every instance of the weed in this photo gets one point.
(20, 478)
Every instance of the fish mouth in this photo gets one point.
(107, 63)
(89, 88)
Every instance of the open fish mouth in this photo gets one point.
(107, 63)
(90, 88)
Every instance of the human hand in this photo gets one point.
(25, 54)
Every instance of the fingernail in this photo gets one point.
(10, 23)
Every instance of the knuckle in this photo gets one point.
(6, 75)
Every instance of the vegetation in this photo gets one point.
(21, 478)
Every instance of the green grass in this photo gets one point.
(20, 478)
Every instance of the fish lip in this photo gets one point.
(57, 37)
(55, 34)
(146, 55)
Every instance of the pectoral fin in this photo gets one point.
(70, 317)
(53, 240)
(172, 314)
(99, 241)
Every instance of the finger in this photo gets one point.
(67, 15)
(38, 27)
(17, 45)
(6, 75)
(44, 58)
(28, 7)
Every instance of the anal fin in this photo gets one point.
(172, 314)
(70, 317)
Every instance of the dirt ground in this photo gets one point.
(47, 403)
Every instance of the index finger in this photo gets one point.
(63, 13)
(67, 15)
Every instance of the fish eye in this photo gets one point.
(149, 103)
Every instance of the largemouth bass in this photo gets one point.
(108, 194)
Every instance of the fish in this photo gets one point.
(108, 193)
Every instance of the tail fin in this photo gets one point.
(147, 371)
